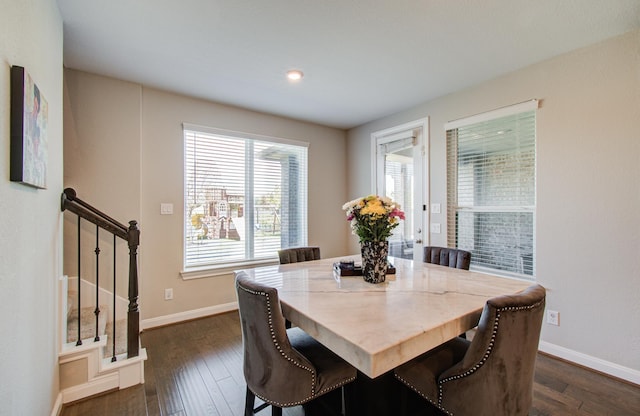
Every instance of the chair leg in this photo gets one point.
(249, 401)
(349, 398)
(276, 411)
(403, 401)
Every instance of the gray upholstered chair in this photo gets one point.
(298, 254)
(282, 367)
(295, 255)
(452, 257)
(491, 375)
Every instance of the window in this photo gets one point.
(245, 196)
(491, 182)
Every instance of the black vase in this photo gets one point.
(374, 260)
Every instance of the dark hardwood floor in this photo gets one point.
(195, 368)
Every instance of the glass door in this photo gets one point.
(400, 166)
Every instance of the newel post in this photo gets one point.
(133, 314)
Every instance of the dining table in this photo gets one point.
(377, 327)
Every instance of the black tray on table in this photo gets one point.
(351, 269)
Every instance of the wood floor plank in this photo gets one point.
(128, 403)
(212, 386)
(213, 361)
(193, 386)
(150, 391)
(548, 380)
(554, 400)
(592, 389)
(195, 368)
(164, 358)
(233, 393)
(605, 403)
(194, 392)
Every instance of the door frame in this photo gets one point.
(420, 129)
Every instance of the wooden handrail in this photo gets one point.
(71, 202)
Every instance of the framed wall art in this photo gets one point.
(29, 119)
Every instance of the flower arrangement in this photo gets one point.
(373, 217)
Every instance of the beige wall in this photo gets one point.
(124, 139)
(30, 223)
(102, 163)
(588, 189)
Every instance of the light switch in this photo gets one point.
(435, 208)
(166, 208)
(435, 228)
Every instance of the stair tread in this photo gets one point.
(87, 323)
(121, 338)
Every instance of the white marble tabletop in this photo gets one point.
(377, 327)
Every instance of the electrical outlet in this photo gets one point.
(553, 318)
(168, 294)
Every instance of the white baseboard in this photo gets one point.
(612, 369)
(187, 315)
(57, 406)
(95, 386)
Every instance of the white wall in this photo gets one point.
(30, 225)
(123, 136)
(588, 188)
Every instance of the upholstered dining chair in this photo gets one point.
(298, 254)
(444, 256)
(295, 255)
(451, 257)
(283, 367)
(492, 374)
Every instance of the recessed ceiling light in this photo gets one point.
(294, 75)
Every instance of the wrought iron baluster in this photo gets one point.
(79, 341)
(113, 326)
(97, 310)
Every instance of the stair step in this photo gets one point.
(87, 323)
(72, 298)
(121, 337)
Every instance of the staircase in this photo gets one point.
(88, 363)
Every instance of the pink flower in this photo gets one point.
(350, 217)
(397, 213)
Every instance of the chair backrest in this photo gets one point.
(298, 254)
(444, 256)
(273, 370)
(495, 377)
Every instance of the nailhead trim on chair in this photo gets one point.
(417, 391)
(475, 367)
(311, 370)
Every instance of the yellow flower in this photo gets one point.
(373, 208)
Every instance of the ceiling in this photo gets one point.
(362, 59)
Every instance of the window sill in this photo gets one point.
(503, 273)
(223, 269)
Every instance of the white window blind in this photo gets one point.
(245, 197)
(491, 192)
